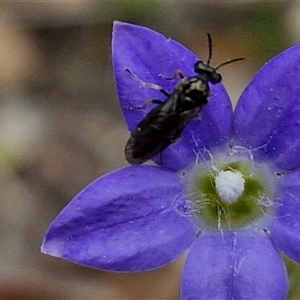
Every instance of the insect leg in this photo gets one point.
(160, 158)
(149, 85)
(197, 118)
(150, 101)
(177, 74)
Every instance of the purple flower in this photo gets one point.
(229, 190)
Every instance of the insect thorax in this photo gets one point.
(195, 90)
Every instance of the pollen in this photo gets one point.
(229, 185)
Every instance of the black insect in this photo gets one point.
(164, 124)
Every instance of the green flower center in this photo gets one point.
(233, 194)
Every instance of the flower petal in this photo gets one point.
(233, 266)
(147, 54)
(267, 117)
(285, 231)
(129, 220)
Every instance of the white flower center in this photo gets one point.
(229, 185)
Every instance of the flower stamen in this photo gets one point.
(229, 185)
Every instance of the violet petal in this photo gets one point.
(285, 231)
(267, 117)
(132, 219)
(147, 54)
(233, 266)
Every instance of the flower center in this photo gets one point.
(229, 185)
(232, 191)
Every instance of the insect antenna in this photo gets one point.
(210, 55)
(209, 48)
(229, 62)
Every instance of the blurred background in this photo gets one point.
(60, 126)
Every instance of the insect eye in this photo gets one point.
(215, 78)
(198, 67)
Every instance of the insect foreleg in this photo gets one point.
(177, 74)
